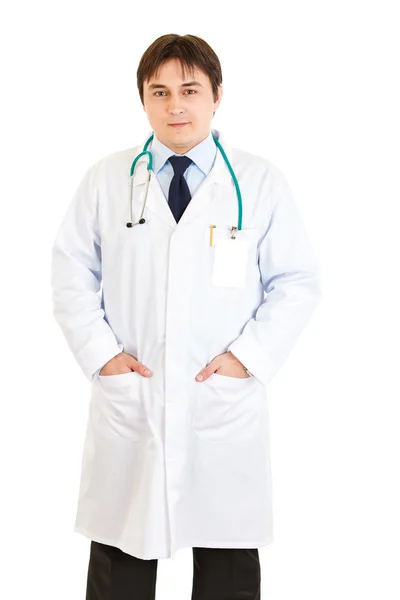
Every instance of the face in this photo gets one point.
(174, 97)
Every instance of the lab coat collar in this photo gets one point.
(156, 202)
(218, 174)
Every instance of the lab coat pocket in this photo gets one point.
(230, 259)
(227, 409)
(117, 406)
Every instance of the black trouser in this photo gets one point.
(218, 574)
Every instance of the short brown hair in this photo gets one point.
(192, 51)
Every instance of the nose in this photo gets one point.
(176, 111)
(174, 106)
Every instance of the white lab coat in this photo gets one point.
(169, 462)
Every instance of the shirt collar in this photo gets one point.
(203, 154)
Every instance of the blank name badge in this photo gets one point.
(230, 263)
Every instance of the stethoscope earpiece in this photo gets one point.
(130, 224)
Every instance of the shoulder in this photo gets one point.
(259, 168)
(112, 165)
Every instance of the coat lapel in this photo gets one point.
(219, 176)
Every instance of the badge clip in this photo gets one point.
(233, 230)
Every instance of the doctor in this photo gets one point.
(193, 320)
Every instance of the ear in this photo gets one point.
(220, 94)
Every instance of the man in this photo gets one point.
(206, 288)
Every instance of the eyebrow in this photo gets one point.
(161, 85)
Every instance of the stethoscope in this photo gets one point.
(149, 169)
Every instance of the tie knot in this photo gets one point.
(180, 164)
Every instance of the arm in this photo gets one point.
(289, 273)
(76, 280)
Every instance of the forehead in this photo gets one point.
(174, 69)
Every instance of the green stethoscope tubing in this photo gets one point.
(150, 166)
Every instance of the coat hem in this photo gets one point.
(196, 544)
(110, 542)
(231, 545)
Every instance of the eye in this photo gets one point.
(188, 90)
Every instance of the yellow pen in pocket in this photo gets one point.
(211, 233)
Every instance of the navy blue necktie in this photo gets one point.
(179, 194)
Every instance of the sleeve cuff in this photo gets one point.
(252, 355)
(97, 353)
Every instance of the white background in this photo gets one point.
(314, 87)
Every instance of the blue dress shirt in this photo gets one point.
(203, 157)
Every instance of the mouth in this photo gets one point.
(177, 125)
